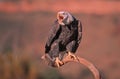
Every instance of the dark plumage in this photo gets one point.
(64, 38)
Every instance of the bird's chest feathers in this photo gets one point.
(67, 31)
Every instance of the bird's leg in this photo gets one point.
(58, 63)
(72, 55)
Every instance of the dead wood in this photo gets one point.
(80, 60)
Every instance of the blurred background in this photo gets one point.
(24, 26)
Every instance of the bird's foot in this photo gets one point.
(71, 56)
(58, 63)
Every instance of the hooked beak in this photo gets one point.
(60, 17)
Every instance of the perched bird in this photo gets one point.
(64, 36)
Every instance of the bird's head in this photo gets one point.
(64, 18)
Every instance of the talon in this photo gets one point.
(58, 63)
(72, 56)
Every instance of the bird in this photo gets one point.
(63, 38)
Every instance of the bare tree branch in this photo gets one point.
(86, 63)
(80, 60)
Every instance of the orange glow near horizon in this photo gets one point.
(96, 7)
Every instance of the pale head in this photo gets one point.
(64, 17)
